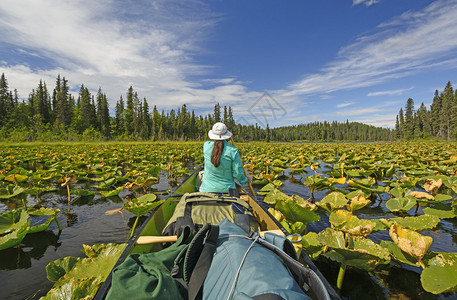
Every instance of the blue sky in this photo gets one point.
(276, 62)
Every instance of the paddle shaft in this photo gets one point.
(245, 174)
(152, 239)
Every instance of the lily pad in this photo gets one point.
(410, 241)
(332, 238)
(357, 202)
(115, 192)
(441, 213)
(10, 191)
(295, 213)
(311, 245)
(400, 204)
(364, 254)
(60, 267)
(85, 288)
(274, 196)
(418, 223)
(332, 201)
(440, 275)
(141, 205)
(99, 265)
(349, 223)
(13, 227)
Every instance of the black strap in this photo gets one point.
(203, 264)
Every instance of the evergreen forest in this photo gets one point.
(56, 115)
(440, 121)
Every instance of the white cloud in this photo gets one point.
(341, 105)
(389, 92)
(366, 2)
(408, 44)
(108, 43)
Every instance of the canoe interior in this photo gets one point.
(157, 222)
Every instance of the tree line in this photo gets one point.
(57, 115)
(440, 121)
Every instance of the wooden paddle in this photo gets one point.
(245, 174)
(152, 239)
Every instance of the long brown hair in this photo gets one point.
(217, 152)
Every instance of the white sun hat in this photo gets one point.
(219, 132)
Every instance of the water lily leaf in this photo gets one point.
(398, 192)
(364, 254)
(10, 191)
(13, 227)
(450, 181)
(107, 183)
(276, 214)
(432, 185)
(332, 181)
(295, 213)
(154, 171)
(410, 241)
(41, 227)
(304, 203)
(442, 198)
(362, 183)
(349, 223)
(275, 196)
(43, 211)
(399, 255)
(141, 205)
(332, 201)
(440, 275)
(99, 265)
(400, 204)
(297, 227)
(420, 195)
(357, 202)
(332, 238)
(12, 220)
(16, 178)
(418, 223)
(352, 173)
(115, 192)
(85, 288)
(40, 190)
(311, 245)
(60, 267)
(441, 213)
(355, 193)
(83, 193)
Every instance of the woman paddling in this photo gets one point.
(222, 162)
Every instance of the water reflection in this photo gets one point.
(32, 246)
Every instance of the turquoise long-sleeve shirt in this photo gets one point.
(221, 179)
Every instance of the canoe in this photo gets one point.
(154, 225)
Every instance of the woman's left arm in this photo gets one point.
(238, 171)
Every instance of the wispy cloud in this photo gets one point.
(366, 2)
(410, 43)
(102, 43)
(389, 92)
(345, 104)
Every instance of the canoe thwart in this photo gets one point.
(154, 239)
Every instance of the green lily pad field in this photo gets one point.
(378, 219)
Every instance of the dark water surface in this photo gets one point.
(23, 269)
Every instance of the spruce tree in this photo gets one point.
(409, 118)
